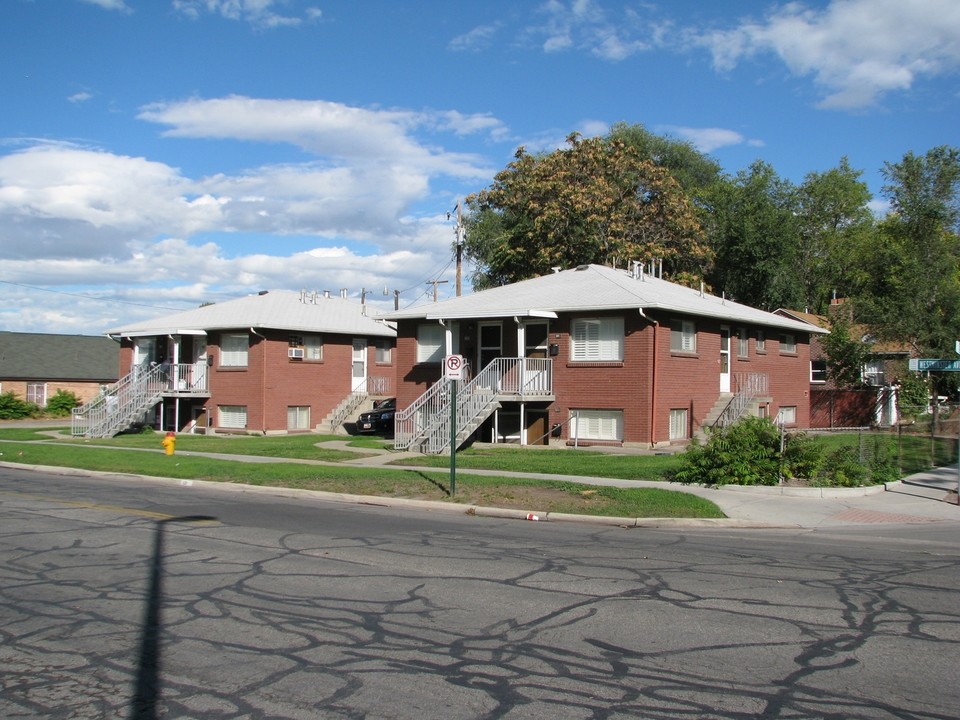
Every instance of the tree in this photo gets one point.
(833, 218)
(910, 288)
(754, 231)
(846, 354)
(595, 201)
(691, 168)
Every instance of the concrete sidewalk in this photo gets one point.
(923, 498)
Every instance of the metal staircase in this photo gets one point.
(121, 405)
(371, 387)
(425, 424)
(749, 387)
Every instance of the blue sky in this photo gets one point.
(158, 154)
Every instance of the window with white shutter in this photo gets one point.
(232, 416)
(431, 343)
(683, 336)
(234, 349)
(597, 425)
(596, 340)
(678, 424)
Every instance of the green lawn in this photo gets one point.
(126, 454)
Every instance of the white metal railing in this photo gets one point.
(426, 422)
(748, 387)
(123, 404)
(377, 385)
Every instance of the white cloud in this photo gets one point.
(327, 129)
(479, 38)
(856, 50)
(75, 216)
(707, 139)
(80, 97)
(585, 25)
(259, 13)
(110, 4)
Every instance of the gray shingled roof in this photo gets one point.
(38, 356)
(273, 310)
(591, 288)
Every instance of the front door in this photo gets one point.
(358, 382)
(724, 359)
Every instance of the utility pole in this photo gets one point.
(460, 241)
(434, 283)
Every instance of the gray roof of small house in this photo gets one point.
(595, 288)
(48, 357)
(273, 310)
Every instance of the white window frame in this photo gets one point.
(232, 417)
(787, 415)
(818, 374)
(37, 393)
(683, 336)
(596, 339)
(298, 417)
(679, 424)
(873, 372)
(431, 343)
(234, 349)
(605, 425)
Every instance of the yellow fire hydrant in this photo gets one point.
(169, 443)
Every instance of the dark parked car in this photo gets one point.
(380, 419)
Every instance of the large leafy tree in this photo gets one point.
(691, 168)
(833, 221)
(594, 201)
(754, 229)
(910, 288)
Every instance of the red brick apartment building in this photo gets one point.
(274, 362)
(596, 355)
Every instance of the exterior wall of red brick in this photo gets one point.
(272, 382)
(650, 381)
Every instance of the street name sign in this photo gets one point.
(922, 364)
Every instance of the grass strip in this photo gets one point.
(521, 494)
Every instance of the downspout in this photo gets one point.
(653, 381)
(263, 382)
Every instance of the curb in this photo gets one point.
(425, 505)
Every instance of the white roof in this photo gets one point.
(594, 288)
(273, 310)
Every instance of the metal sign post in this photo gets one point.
(453, 371)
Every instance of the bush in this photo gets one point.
(803, 457)
(746, 453)
(842, 468)
(13, 408)
(61, 403)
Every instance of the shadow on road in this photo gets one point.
(147, 688)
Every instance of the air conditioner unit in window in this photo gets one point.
(295, 353)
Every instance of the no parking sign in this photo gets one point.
(453, 367)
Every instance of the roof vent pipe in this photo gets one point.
(343, 293)
(303, 296)
(556, 269)
(313, 297)
(326, 293)
(636, 269)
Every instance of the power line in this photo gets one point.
(89, 297)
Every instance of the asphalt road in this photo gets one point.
(140, 599)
